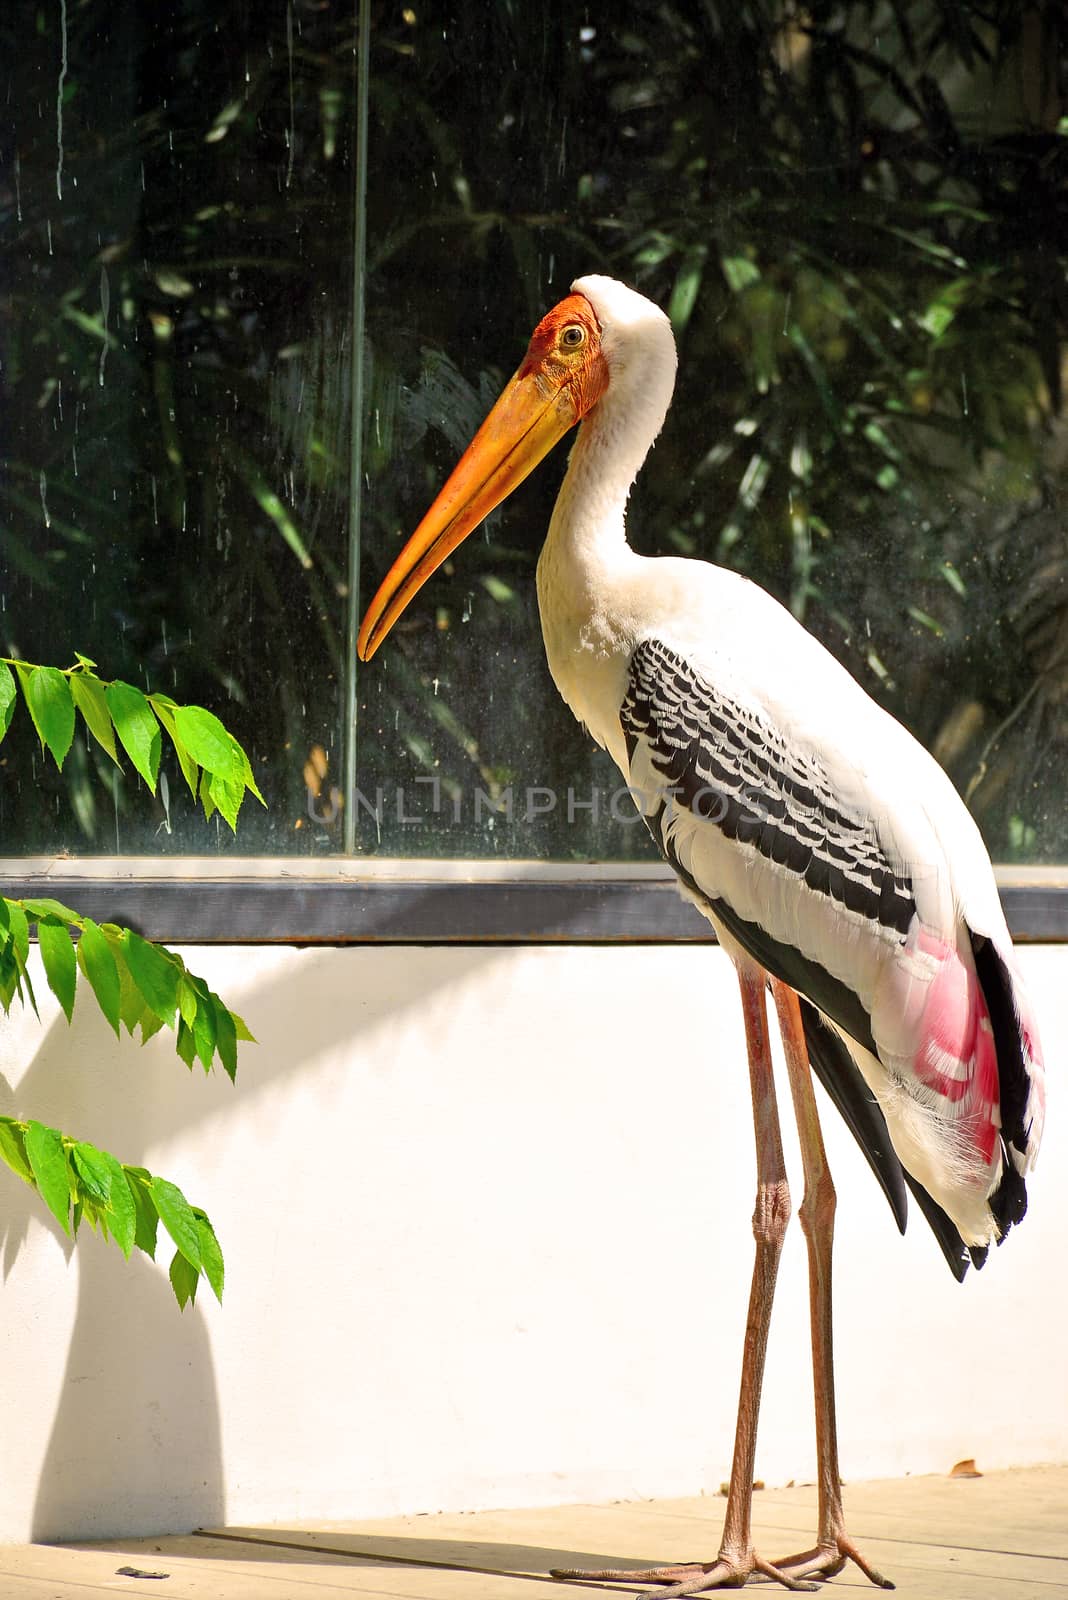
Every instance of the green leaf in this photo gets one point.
(685, 290)
(19, 930)
(146, 1225)
(247, 778)
(9, 975)
(13, 1148)
(225, 1038)
(45, 907)
(211, 1256)
(177, 1217)
(131, 1001)
(91, 1169)
(227, 794)
(155, 974)
(208, 742)
(188, 999)
(47, 694)
(48, 1162)
(60, 964)
(739, 272)
(7, 697)
(137, 728)
(184, 1279)
(953, 578)
(243, 1029)
(84, 660)
(15, 979)
(90, 696)
(270, 504)
(204, 1034)
(150, 1025)
(164, 708)
(497, 589)
(121, 1208)
(98, 963)
(185, 1043)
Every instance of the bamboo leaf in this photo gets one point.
(686, 288)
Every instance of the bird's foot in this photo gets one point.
(728, 1571)
(829, 1557)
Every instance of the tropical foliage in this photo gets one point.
(855, 213)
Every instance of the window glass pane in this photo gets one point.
(176, 374)
(855, 216)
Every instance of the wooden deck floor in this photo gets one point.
(1003, 1536)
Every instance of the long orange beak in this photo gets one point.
(539, 405)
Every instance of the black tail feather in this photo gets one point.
(840, 1076)
(1009, 1200)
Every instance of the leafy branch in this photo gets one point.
(80, 1183)
(213, 764)
(136, 984)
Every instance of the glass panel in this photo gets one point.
(176, 375)
(855, 214)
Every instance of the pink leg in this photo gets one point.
(833, 1545)
(737, 1559)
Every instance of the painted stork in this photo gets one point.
(829, 851)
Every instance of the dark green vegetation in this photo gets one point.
(856, 214)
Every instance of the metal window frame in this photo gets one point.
(192, 900)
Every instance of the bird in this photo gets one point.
(836, 862)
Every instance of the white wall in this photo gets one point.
(486, 1220)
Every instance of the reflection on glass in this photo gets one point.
(856, 217)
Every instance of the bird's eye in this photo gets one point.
(574, 335)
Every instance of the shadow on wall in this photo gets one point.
(136, 1441)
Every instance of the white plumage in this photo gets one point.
(599, 600)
